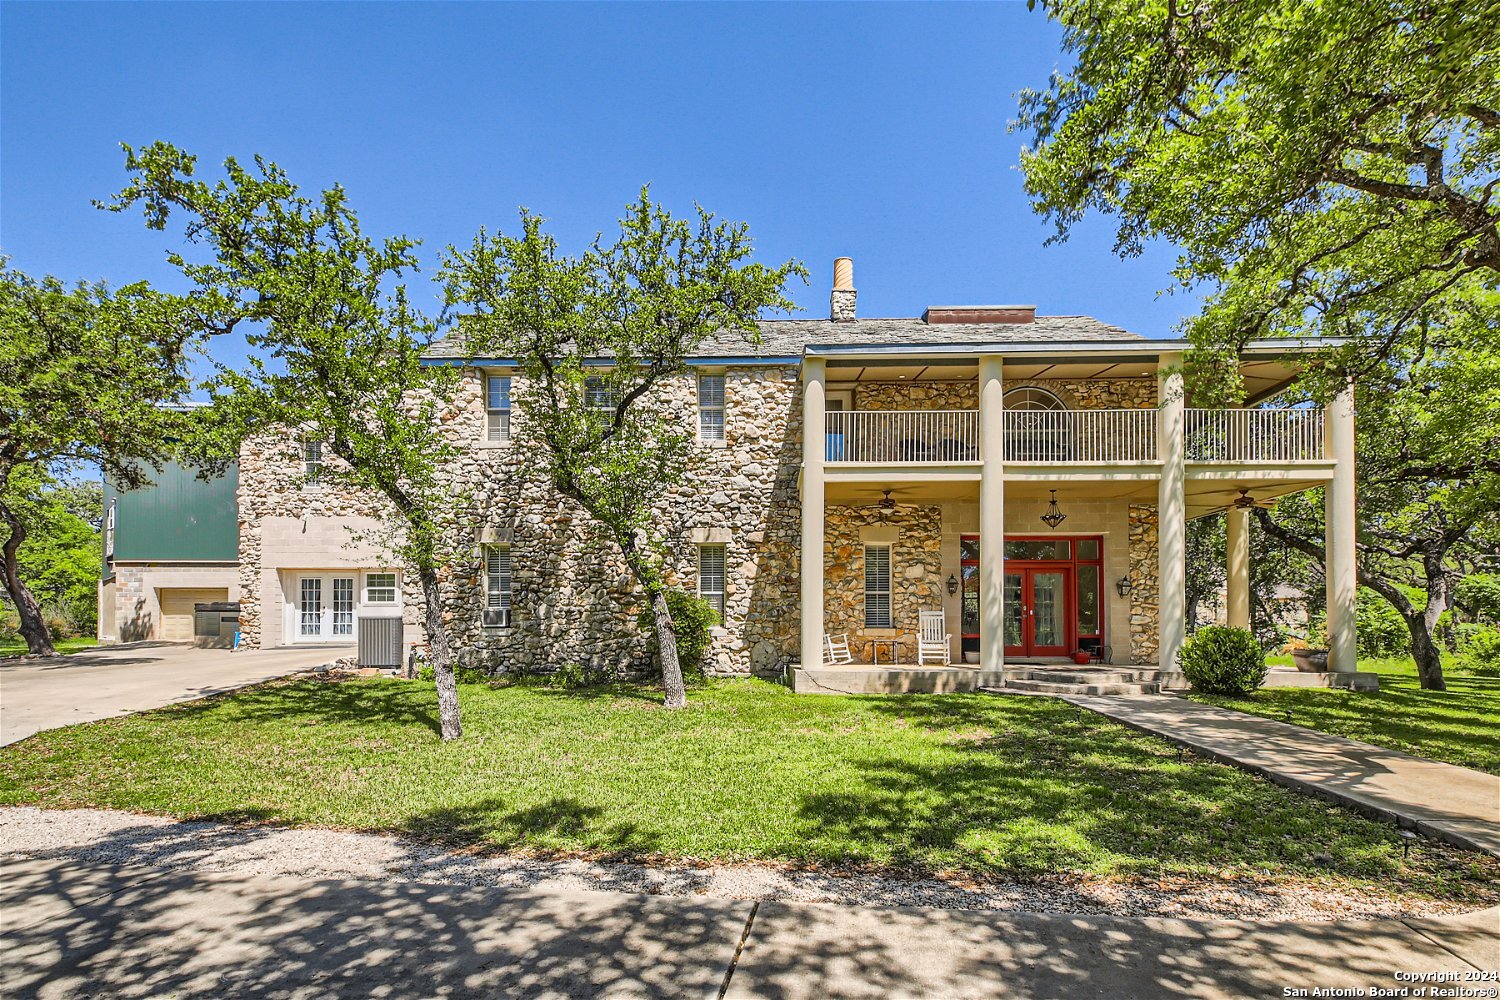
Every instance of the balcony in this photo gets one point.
(1073, 437)
(1256, 437)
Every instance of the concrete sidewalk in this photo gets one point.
(38, 694)
(1443, 801)
(73, 930)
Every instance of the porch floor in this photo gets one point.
(910, 678)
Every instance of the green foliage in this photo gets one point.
(1479, 596)
(1380, 629)
(59, 558)
(1481, 649)
(1312, 160)
(1218, 659)
(461, 675)
(574, 676)
(693, 621)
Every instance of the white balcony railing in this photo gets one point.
(902, 436)
(1252, 436)
(1080, 436)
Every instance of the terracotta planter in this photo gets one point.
(1082, 656)
(1310, 661)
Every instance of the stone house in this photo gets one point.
(848, 473)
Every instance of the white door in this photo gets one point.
(325, 609)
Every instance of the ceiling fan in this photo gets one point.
(886, 503)
(1246, 502)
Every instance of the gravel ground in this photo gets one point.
(107, 837)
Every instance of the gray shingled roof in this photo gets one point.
(788, 337)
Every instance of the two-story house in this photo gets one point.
(1029, 476)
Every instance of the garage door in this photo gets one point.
(177, 609)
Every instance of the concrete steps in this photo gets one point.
(1080, 680)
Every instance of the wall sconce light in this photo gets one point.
(952, 584)
(1123, 586)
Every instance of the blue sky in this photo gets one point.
(873, 131)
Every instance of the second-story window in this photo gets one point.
(497, 408)
(710, 407)
(312, 460)
(597, 395)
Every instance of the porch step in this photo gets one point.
(1053, 687)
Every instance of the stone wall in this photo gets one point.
(1145, 585)
(914, 533)
(1075, 394)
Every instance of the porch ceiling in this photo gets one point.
(1202, 497)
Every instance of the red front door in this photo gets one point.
(1038, 609)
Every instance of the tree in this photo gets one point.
(87, 378)
(340, 347)
(1428, 437)
(61, 556)
(645, 302)
(1314, 160)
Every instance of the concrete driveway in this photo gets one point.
(118, 680)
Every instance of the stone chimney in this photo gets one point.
(841, 304)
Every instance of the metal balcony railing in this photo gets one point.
(1255, 436)
(1080, 436)
(898, 436)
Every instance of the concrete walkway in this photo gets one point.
(118, 680)
(74, 930)
(1443, 801)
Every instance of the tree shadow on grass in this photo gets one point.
(320, 701)
(559, 825)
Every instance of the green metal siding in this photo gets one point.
(179, 517)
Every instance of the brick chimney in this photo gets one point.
(979, 314)
(841, 303)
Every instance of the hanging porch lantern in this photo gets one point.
(1053, 517)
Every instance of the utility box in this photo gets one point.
(214, 624)
(380, 642)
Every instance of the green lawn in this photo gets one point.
(962, 783)
(17, 647)
(1460, 725)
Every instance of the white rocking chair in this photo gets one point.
(933, 640)
(837, 648)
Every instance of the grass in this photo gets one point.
(17, 646)
(968, 784)
(1459, 726)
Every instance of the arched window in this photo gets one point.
(1032, 398)
(1037, 426)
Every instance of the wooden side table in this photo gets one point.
(895, 646)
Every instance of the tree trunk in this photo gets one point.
(442, 655)
(1426, 652)
(666, 641)
(33, 626)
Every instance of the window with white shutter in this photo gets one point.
(710, 407)
(711, 559)
(877, 586)
(497, 408)
(496, 586)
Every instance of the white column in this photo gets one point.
(1237, 565)
(814, 441)
(1171, 513)
(1339, 527)
(992, 513)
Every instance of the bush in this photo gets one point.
(462, 675)
(693, 620)
(1481, 649)
(1380, 629)
(1223, 660)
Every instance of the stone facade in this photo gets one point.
(574, 602)
(914, 534)
(1145, 584)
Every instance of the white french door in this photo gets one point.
(325, 608)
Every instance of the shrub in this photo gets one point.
(1481, 650)
(1223, 660)
(1379, 627)
(1479, 595)
(693, 620)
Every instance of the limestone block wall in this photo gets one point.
(1075, 394)
(1145, 584)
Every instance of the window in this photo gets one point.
(109, 530)
(597, 395)
(711, 576)
(497, 408)
(710, 407)
(496, 586)
(343, 605)
(1032, 398)
(877, 586)
(312, 460)
(380, 588)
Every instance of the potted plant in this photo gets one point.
(1309, 660)
(1082, 656)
